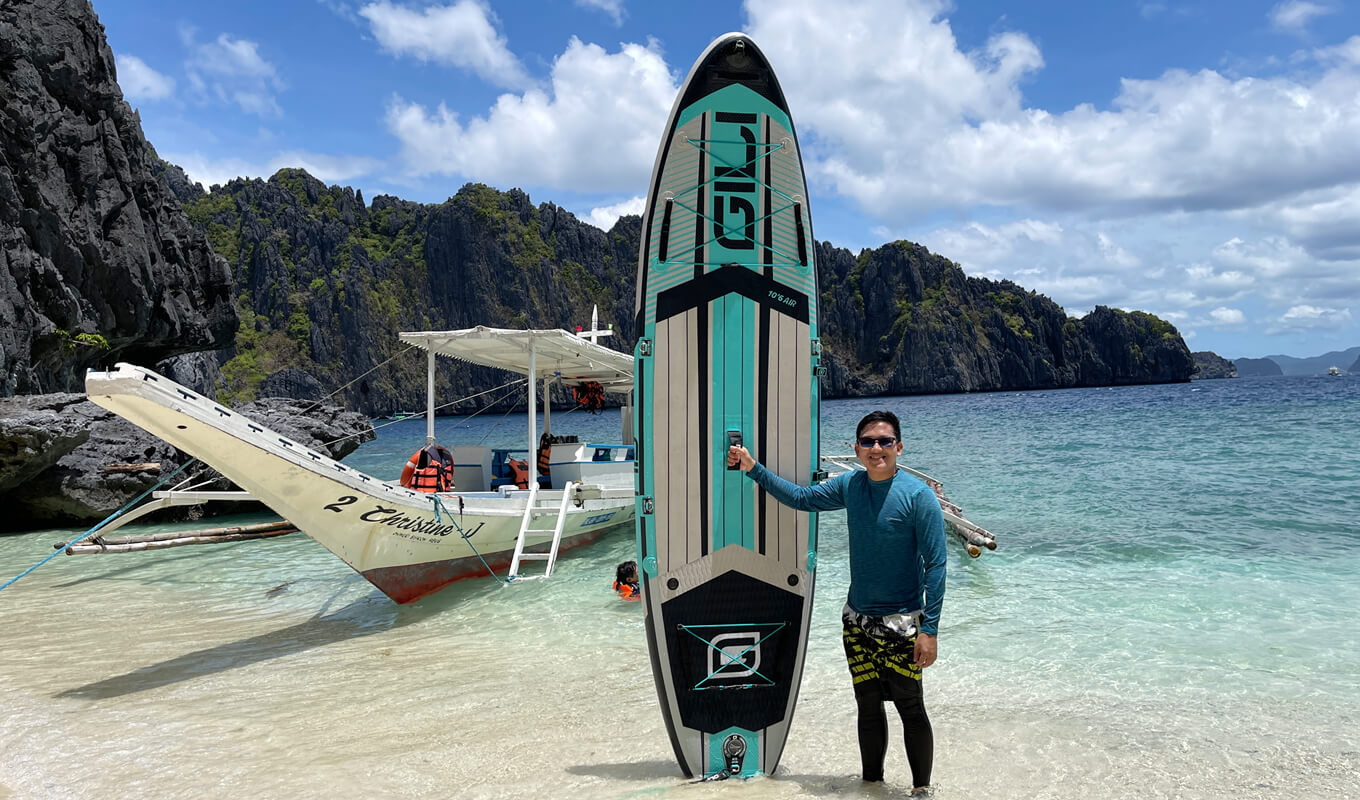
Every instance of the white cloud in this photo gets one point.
(604, 217)
(140, 82)
(595, 130)
(1153, 10)
(1005, 248)
(341, 9)
(1293, 16)
(614, 8)
(1114, 254)
(1309, 319)
(1166, 264)
(328, 169)
(1227, 317)
(906, 107)
(1285, 274)
(1272, 257)
(1326, 222)
(210, 171)
(462, 35)
(232, 71)
(1208, 285)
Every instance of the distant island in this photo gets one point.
(1257, 367)
(1210, 365)
(1292, 365)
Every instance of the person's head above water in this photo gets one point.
(627, 572)
(878, 443)
(880, 416)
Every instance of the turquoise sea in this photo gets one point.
(1172, 613)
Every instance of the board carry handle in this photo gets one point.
(734, 440)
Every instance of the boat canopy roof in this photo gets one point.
(557, 353)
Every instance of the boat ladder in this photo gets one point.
(534, 511)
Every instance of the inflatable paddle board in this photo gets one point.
(727, 352)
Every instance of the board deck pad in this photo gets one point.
(727, 352)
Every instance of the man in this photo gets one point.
(897, 564)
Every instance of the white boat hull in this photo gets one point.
(404, 542)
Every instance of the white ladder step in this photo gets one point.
(532, 510)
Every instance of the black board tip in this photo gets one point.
(733, 58)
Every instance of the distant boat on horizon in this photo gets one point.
(1333, 371)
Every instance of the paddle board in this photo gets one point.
(727, 352)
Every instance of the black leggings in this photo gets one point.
(873, 729)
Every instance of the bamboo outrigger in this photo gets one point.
(973, 537)
(160, 541)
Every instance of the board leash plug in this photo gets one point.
(734, 752)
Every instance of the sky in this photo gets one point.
(1196, 160)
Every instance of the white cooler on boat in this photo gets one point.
(575, 462)
(471, 468)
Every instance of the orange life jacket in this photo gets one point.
(544, 453)
(519, 470)
(626, 591)
(429, 470)
(590, 395)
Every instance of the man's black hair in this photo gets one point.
(625, 571)
(880, 416)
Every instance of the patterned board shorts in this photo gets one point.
(882, 649)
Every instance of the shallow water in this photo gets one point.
(1171, 613)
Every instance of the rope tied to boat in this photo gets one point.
(129, 504)
(438, 516)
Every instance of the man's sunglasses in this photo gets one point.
(885, 442)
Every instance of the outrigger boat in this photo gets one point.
(407, 543)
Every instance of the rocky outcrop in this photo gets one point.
(1257, 368)
(1209, 365)
(198, 371)
(294, 383)
(325, 426)
(65, 461)
(901, 320)
(36, 432)
(1355, 368)
(98, 262)
(330, 282)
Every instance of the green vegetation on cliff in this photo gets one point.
(325, 283)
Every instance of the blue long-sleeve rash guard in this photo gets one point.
(897, 557)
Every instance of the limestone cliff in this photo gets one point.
(1209, 365)
(326, 283)
(97, 260)
(900, 319)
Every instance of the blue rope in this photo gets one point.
(106, 521)
(438, 504)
